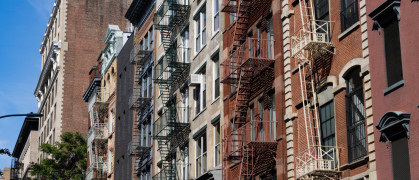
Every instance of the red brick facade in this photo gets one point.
(85, 31)
(404, 98)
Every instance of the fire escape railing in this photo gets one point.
(169, 72)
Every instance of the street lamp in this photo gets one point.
(27, 115)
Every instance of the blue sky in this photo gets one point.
(23, 24)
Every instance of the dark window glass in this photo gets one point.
(348, 14)
(400, 159)
(355, 116)
(393, 53)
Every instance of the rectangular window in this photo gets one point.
(348, 14)
(252, 123)
(216, 15)
(185, 105)
(233, 16)
(272, 117)
(217, 145)
(200, 29)
(185, 163)
(327, 128)
(355, 116)
(200, 93)
(216, 77)
(185, 46)
(261, 129)
(201, 155)
(400, 159)
(393, 53)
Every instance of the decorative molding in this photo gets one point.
(394, 125)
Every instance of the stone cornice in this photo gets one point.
(49, 25)
(50, 61)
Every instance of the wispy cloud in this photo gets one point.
(43, 7)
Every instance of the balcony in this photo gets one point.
(171, 67)
(258, 133)
(97, 168)
(314, 36)
(171, 14)
(317, 161)
(254, 55)
(173, 125)
(98, 131)
(140, 53)
(138, 102)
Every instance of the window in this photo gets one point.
(216, 15)
(261, 130)
(185, 105)
(111, 122)
(393, 53)
(200, 29)
(327, 128)
(185, 163)
(252, 123)
(355, 116)
(272, 117)
(386, 17)
(200, 93)
(348, 14)
(110, 161)
(216, 77)
(185, 45)
(201, 155)
(233, 16)
(217, 144)
(270, 37)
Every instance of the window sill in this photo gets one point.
(215, 33)
(197, 53)
(361, 161)
(393, 87)
(196, 116)
(348, 31)
(215, 100)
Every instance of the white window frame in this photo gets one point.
(216, 75)
(185, 45)
(203, 154)
(217, 145)
(200, 23)
(215, 16)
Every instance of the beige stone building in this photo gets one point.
(26, 149)
(188, 103)
(71, 43)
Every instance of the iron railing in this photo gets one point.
(317, 160)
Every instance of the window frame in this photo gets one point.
(216, 76)
(202, 139)
(216, 16)
(200, 29)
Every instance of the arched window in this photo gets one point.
(355, 115)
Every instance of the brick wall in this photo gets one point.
(86, 25)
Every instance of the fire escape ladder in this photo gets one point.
(308, 44)
(171, 16)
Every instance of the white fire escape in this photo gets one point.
(311, 41)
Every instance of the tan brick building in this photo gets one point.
(72, 41)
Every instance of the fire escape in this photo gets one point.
(97, 137)
(248, 149)
(309, 44)
(169, 131)
(140, 103)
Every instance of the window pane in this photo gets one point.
(393, 53)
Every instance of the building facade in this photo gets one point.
(253, 97)
(101, 96)
(26, 149)
(328, 109)
(188, 102)
(394, 84)
(71, 43)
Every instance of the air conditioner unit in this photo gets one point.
(194, 79)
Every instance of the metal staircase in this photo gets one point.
(169, 19)
(248, 59)
(311, 41)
